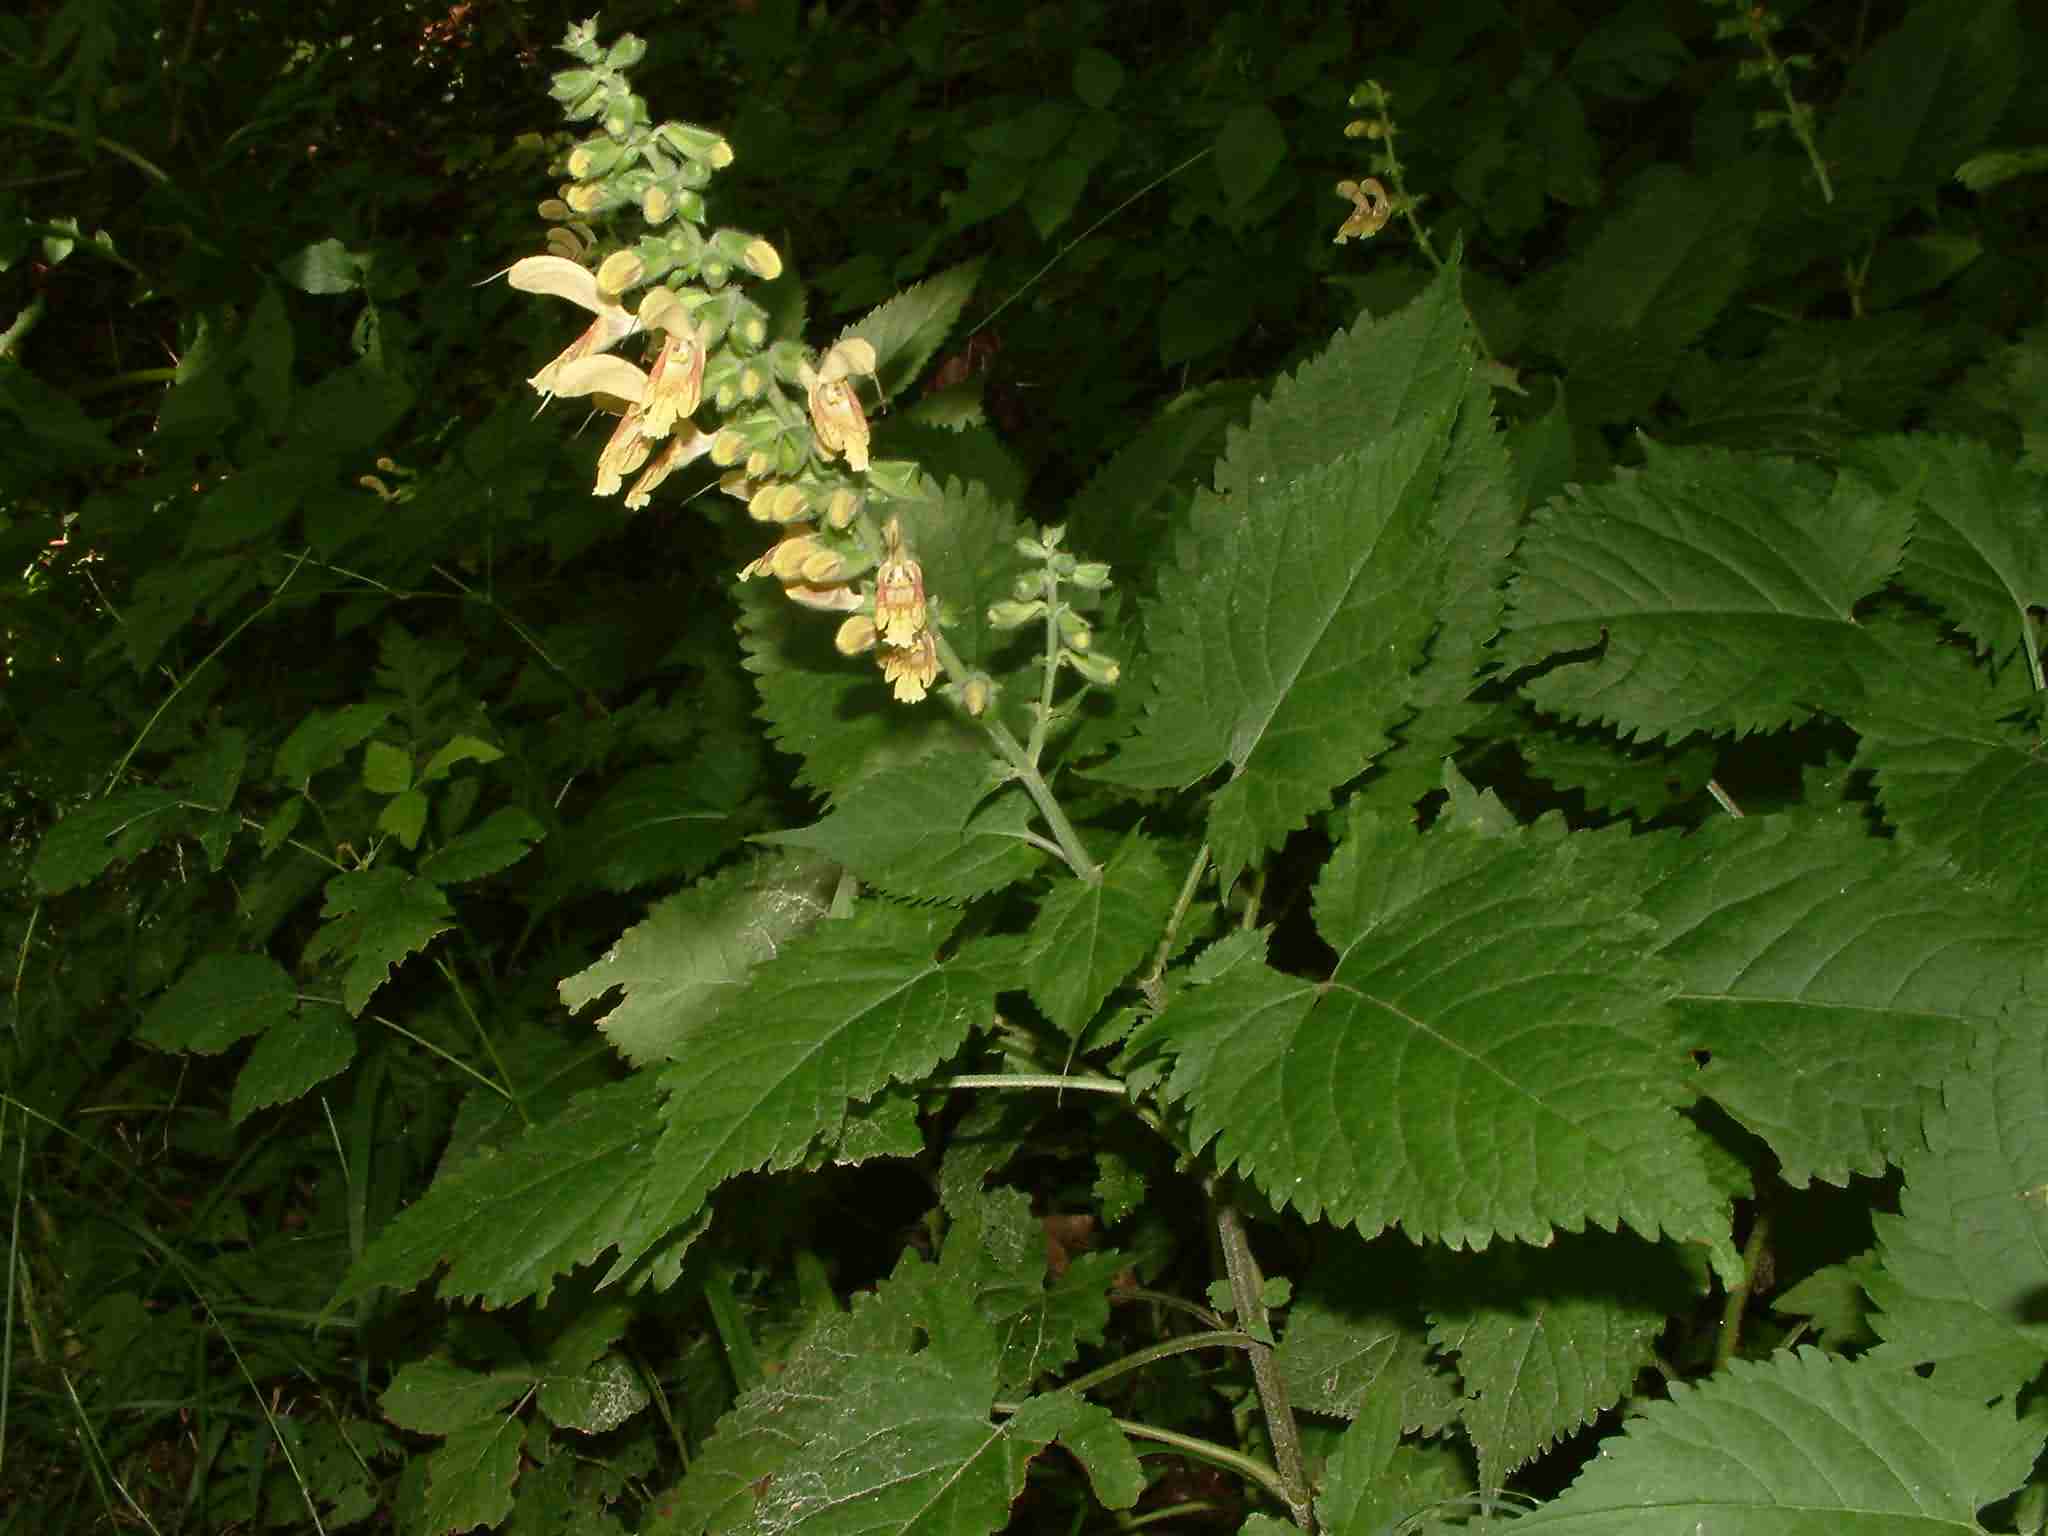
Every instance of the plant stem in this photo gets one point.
(1222, 1338)
(1051, 1080)
(1202, 1450)
(1150, 985)
(1012, 751)
(1049, 590)
(1738, 1298)
(1246, 1289)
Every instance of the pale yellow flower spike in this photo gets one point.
(565, 279)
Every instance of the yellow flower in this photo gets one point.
(565, 279)
(675, 384)
(911, 669)
(679, 450)
(899, 592)
(836, 417)
(615, 380)
(1370, 209)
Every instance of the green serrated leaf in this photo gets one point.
(1957, 754)
(596, 1398)
(1980, 532)
(1716, 591)
(324, 738)
(221, 999)
(907, 330)
(502, 840)
(1961, 1268)
(681, 965)
(859, 1435)
(1799, 1445)
(1834, 979)
(665, 820)
(373, 919)
(1373, 1483)
(458, 749)
(1546, 1338)
(1088, 936)
(96, 834)
(510, 1222)
(1357, 1337)
(469, 1479)
(1537, 1012)
(919, 832)
(405, 817)
(840, 1013)
(438, 1397)
(292, 1056)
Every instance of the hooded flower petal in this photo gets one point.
(837, 420)
(684, 448)
(626, 452)
(612, 377)
(562, 278)
(675, 384)
(899, 593)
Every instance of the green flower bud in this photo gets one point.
(656, 204)
(620, 271)
(1074, 629)
(626, 52)
(753, 383)
(1008, 615)
(594, 158)
(1099, 670)
(695, 143)
(1031, 549)
(1028, 587)
(842, 508)
(729, 447)
(573, 84)
(1089, 575)
(976, 694)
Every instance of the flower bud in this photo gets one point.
(656, 204)
(1099, 670)
(565, 245)
(856, 635)
(573, 84)
(699, 144)
(974, 698)
(725, 396)
(790, 504)
(1074, 630)
(760, 462)
(588, 197)
(1027, 587)
(1089, 575)
(626, 52)
(554, 210)
(619, 271)
(595, 157)
(761, 505)
(1008, 615)
(734, 482)
(1031, 549)
(753, 383)
(788, 558)
(728, 447)
(715, 274)
(842, 508)
(824, 567)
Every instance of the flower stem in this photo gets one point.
(1072, 849)
(1223, 1338)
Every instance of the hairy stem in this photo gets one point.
(1222, 1338)
(1246, 1290)
(1738, 1298)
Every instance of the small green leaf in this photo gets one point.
(222, 999)
(500, 842)
(291, 1057)
(387, 769)
(1249, 150)
(469, 1479)
(405, 817)
(1088, 936)
(375, 918)
(324, 738)
(93, 835)
(327, 266)
(1097, 77)
(907, 330)
(460, 749)
(680, 965)
(438, 1397)
(596, 1399)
